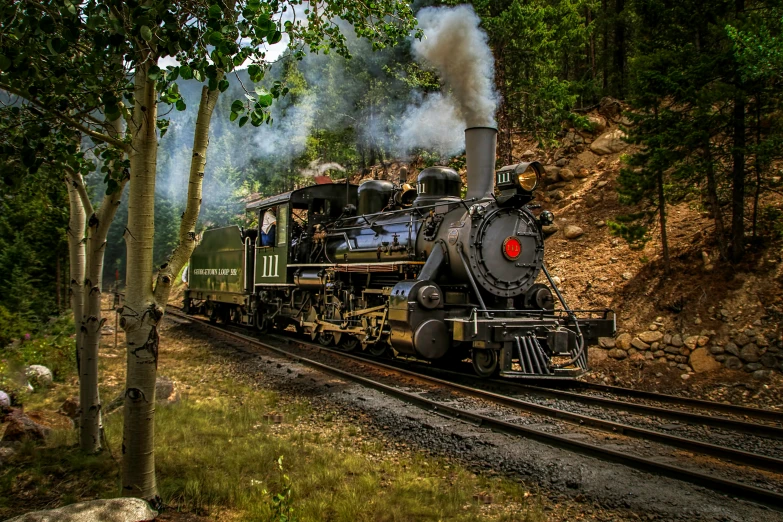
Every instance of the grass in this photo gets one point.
(217, 457)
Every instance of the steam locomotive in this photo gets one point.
(392, 269)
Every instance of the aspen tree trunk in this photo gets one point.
(144, 307)
(98, 228)
(76, 259)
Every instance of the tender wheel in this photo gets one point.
(349, 343)
(485, 362)
(186, 306)
(378, 349)
(262, 323)
(214, 313)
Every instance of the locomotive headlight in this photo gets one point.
(528, 180)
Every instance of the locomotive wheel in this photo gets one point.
(325, 338)
(213, 314)
(485, 362)
(262, 323)
(377, 349)
(349, 343)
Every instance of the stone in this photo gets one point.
(623, 341)
(596, 355)
(617, 353)
(655, 346)
(529, 153)
(650, 336)
(691, 341)
(627, 276)
(550, 229)
(567, 174)
(39, 376)
(750, 353)
(750, 332)
(609, 107)
(597, 123)
(733, 363)
(676, 340)
(572, 231)
(5, 400)
(6, 452)
(741, 339)
(606, 342)
(701, 361)
(640, 345)
(632, 350)
(582, 173)
(667, 339)
(762, 374)
(680, 359)
(562, 162)
(752, 367)
(660, 353)
(556, 195)
(717, 350)
(703, 340)
(685, 351)
(111, 510)
(20, 428)
(768, 360)
(70, 408)
(552, 174)
(685, 376)
(733, 349)
(671, 349)
(684, 367)
(590, 200)
(609, 142)
(721, 358)
(165, 391)
(648, 356)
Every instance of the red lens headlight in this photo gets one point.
(512, 248)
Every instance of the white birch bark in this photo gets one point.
(76, 257)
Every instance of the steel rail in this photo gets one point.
(732, 488)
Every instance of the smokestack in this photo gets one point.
(480, 146)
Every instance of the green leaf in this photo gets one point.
(237, 106)
(146, 33)
(242, 121)
(198, 75)
(153, 73)
(186, 72)
(223, 85)
(265, 100)
(181, 105)
(276, 37)
(213, 84)
(215, 37)
(255, 72)
(233, 116)
(172, 75)
(5, 62)
(215, 11)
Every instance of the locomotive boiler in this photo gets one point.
(392, 269)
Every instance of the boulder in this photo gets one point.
(566, 174)
(609, 107)
(768, 360)
(742, 339)
(750, 353)
(70, 408)
(623, 341)
(111, 510)
(606, 342)
(166, 391)
(596, 355)
(617, 353)
(701, 361)
(733, 363)
(753, 367)
(20, 428)
(717, 350)
(609, 142)
(597, 123)
(733, 349)
(572, 231)
(650, 336)
(703, 340)
(552, 174)
(676, 340)
(581, 173)
(39, 376)
(640, 345)
(691, 341)
(667, 339)
(550, 229)
(762, 374)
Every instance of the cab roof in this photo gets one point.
(303, 196)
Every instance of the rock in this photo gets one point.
(768, 360)
(556, 195)
(685, 376)
(636, 357)
(623, 341)
(627, 276)
(39, 376)
(572, 231)
(752, 367)
(552, 174)
(597, 123)
(165, 391)
(716, 350)
(606, 342)
(733, 363)
(654, 346)
(671, 349)
(691, 341)
(596, 355)
(609, 107)
(701, 361)
(617, 353)
(550, 229)
(529, 153)
(6, 452)
(70, 408)
(650, 336)
(742, 339)
(567, 174)
(685, 351)
(581, 173)
(640, 345)
(590, 200)
(762, 374)
(667, 339)
(660, 353)
(733, 349)
(703, 340)
(684, 367)
(112, 510)
(648, 356)
(5, 400)
(609, 142)
(720, 358)
(562, 162)
(750, 353)
(676, 340)
(20, 428)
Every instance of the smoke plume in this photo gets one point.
(459, 50)
(433, 123)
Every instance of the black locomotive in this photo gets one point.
(390, 268)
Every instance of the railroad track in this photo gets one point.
(733, 488)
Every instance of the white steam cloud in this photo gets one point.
(290, 127)
(316, 168)
(435, 123)
(458, 49)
